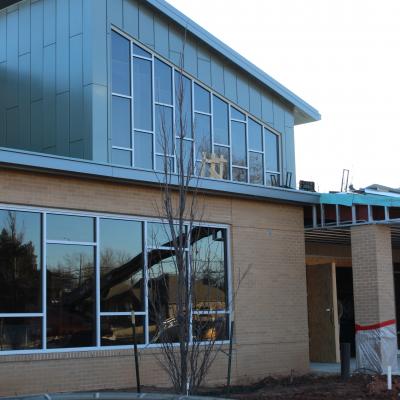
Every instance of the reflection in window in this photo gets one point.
(120, 64)
(201, 99)
(236, 114)
(142, 94)
(225, 153)
(163, 82)
(239, 149)
(160, 235)
(255, 135)
(210, 327)
(70, 296)
(163, 286)
(122, 157)
(271, 151)
(70, 227)
(183, 106)
(117, 330)
(164, 130)
(20, 260)
(121, 266)
(220, 121)
(20, 333)
(256, 168)
(143, 150)
(121, 121)
(138, 51)
(202, 126)
(187, 156)
(239, 174)
(209, 268)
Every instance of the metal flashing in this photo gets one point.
(25, 160)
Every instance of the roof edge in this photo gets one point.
(310, 114)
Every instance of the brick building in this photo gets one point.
(86, 86)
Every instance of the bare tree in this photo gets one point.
(188, 296)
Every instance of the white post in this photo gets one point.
(389, 378)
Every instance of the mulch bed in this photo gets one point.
(313, 387)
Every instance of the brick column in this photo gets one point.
(374, 304)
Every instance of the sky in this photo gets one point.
(340, 56)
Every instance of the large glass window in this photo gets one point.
(97, 271)
(20, 262)
(167, 106)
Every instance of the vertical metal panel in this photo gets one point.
(3, 70)
(76, 149)
(279, 116)
(217, 75)
(114, 12)
(175, 45)
(36, 51)
(24, 101)
(161, 36)
(230, 84)
(24, 34)
(290, 156)
(49, 97)
(98, 49)
(75, 17)
(62, 123)
(12, 60)
(49, 30)
(87, 122)
(99, 123)
(3, 36)
(62, 46)
(255, 101)
(131, 18)
(12, 127)
(266, 109)
(37, 125)
(146, 26)
(76, 89)
(204, 66)
(243, 92)
(190, 56)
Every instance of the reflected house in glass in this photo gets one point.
(96, 96)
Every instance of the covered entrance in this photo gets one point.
(353, 278)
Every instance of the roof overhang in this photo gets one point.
(19, 159)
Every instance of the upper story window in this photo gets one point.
(155, 107)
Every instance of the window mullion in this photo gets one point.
(44, 282)
(97, 272)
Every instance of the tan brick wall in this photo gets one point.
(271, 333)
(372, 274)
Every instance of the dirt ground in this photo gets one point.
(312, 387)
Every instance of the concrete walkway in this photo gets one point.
(330, 368)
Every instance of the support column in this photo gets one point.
(374, 302)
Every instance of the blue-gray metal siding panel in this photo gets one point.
(49, 98)
(12, 126)
(49, 31)
(99, 123)
(255, 102)
(37, 131)
(24, 26)
(146, 26)
(131, 18)
(266, 109)
(190, 57)
(62, 46)
(36, 51)
(41, 46)
(217, 75)
(204, 66)
(98, 42)
(279, 117)
(175, 45)
(230, 84)
(75, 17)
(12, 60)
(160, 36)
(76, 89)
(3, 35)
(24, 118)
(114, 11)
(243, 92)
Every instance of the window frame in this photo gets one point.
(229, 311)
(193, 81)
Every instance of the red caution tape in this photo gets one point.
(375, 326)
